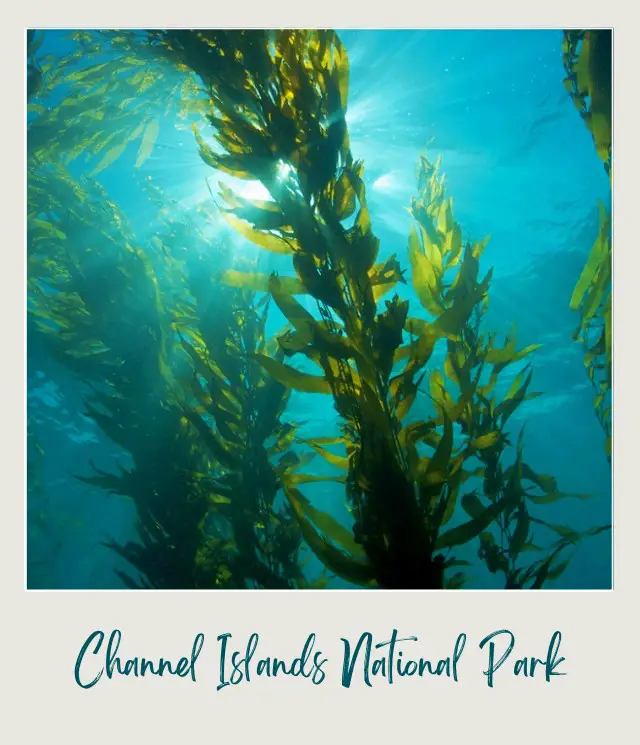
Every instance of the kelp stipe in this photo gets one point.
(587, 57)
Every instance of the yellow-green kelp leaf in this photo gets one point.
(485, 441)
(423, 276)
(338, 461)
(324, 522)
(260, 282)
(351, 568)
(548, 484)
(508, 354)
(310, 478)
(109, 157)
(555, 497)
(520, 532)
(515, 397)
(268, 241)
(293, 378)
(469, 530)
(148, 141)
(599, 254)
(219, 499)
(436, 471)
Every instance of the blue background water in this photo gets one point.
(520, 166)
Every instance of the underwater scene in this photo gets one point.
(317, 309)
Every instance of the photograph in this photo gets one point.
(318, 309)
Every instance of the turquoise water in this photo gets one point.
(520, 166)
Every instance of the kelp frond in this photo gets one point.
(201, 478)
(587, 57)
(279, 100)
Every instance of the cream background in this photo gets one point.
(42, 632)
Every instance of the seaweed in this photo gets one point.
(96, 297)
(279, 101)
(185, 379)
(235, 407)
(114, 93)
(473, 365)
(43, 542)
(587, 58)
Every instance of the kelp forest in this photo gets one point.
(260, 386)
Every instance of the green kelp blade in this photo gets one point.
(598, 291)
(514, 399)
(456, 581)
(260, 282)
(568, 534)
(297, 315)
(110, 157)
(148, 141)
(349, 568)
(219, 499)
(508, 354)
(423, 276)
(310, 478)
(597, 257)
(220, 452)
(548, 484)
(485, 441)
(339, 461)
(269, 241)
(470, 500)
(550, 497)
(344, 197)
(544, 571)
(472, 505)
(558, 569)
(521, 532)
(469, 530)
(323, 521)
(292, 378)
(436, 471)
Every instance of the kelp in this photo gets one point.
(231, 391)
(34, 72)
(43, 543)
(275, 103)
(279, 101)
(467, 395)
(587, 57)
(96, 297)
(113, 94)
(235, 407)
